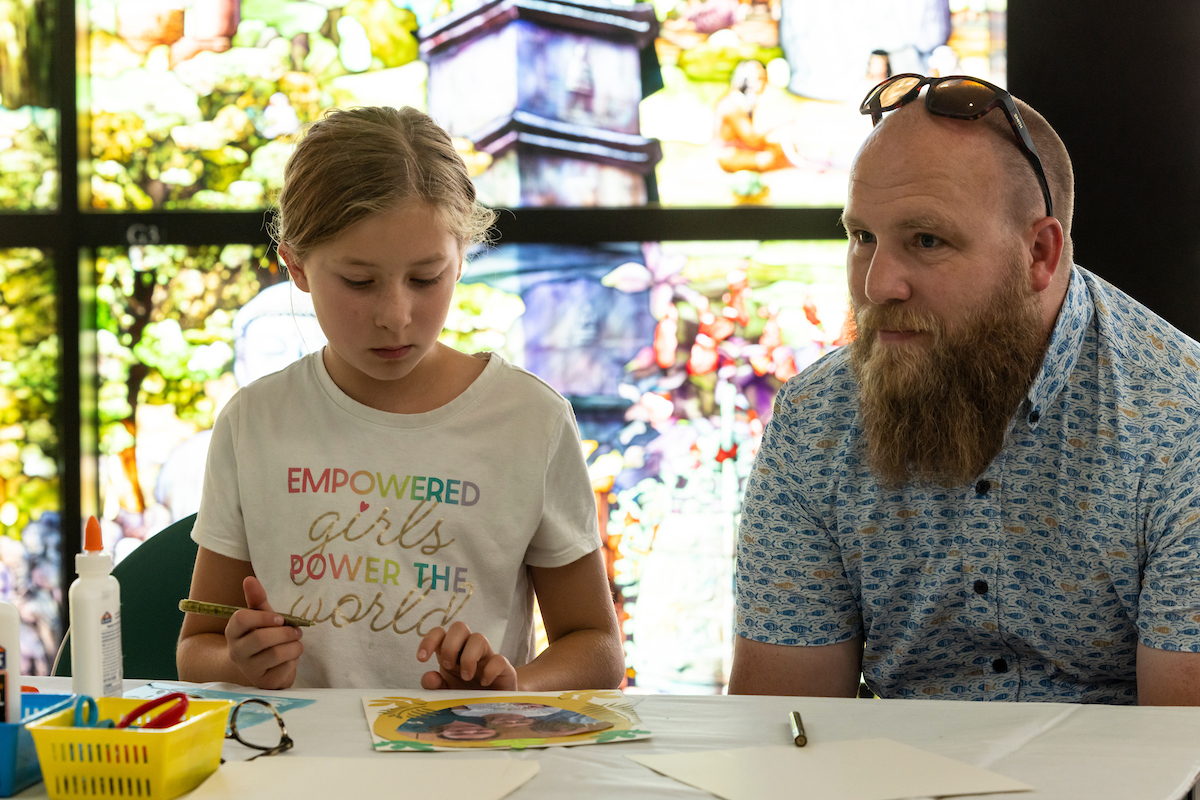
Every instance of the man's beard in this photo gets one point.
(937, 413)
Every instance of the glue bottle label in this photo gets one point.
(3, 685)
(110, 649)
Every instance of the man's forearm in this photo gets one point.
(827, 671)
(1167, 677)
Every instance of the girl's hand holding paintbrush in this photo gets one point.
(264, 644)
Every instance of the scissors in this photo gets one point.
(87, 713)
(163, 719)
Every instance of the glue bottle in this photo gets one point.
(95, 601)
(10, 663)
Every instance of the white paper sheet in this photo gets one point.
(863, 769)
(291, 778)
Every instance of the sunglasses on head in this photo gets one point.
(956, 97)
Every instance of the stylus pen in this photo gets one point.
(225, 612)
(797, 729)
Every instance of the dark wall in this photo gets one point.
(1120, 82)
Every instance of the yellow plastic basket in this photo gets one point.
(130, 763)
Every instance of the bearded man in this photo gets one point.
(993, 492)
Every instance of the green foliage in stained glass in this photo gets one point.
(480, 319)
(29, 446)
(165, 329)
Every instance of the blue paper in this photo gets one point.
(248, 717)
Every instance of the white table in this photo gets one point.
(1068, 752)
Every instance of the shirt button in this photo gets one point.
(1034, 417)
(981, 587)
(1000, 665)
(983, 487)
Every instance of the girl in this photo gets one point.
(406, 498)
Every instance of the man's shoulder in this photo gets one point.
(1142, 343)
(828, 381)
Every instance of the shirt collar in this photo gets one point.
(1063, 351)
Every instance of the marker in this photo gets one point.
(225, 612)
(797, 729)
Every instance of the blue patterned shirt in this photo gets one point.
(1080, 539)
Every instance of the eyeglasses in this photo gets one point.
(267, 739)
(956, 97)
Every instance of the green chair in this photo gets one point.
(154, 578)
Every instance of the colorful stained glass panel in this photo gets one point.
(30, 519)
(591, 103)
(28, 122)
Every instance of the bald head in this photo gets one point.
(990, 144)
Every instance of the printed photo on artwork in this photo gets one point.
(434, 722)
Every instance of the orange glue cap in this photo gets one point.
(93, 560)
(92, 540)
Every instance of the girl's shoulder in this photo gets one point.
(521, 385)
(300, 373)
(268, 393)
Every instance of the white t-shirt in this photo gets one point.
(381, 526)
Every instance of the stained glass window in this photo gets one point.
(589, 103)
(760, 99)
(28, 121)
(30, 523)
(193, 105)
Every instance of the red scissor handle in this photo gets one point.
(163, 719)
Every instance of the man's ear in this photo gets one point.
(294, 267)
(1045, 241)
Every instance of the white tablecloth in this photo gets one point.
(1068, 752)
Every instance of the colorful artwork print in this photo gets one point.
(432, 721)
(495, 722)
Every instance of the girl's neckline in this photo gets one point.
(423, 419)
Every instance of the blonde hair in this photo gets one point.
(353, 163)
